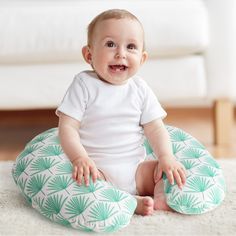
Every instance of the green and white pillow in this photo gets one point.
(205, 186)
(43, 173)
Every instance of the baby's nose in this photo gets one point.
(120, 53)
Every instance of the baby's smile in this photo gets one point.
(118, 67)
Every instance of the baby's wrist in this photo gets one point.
(167, 156)
(78, 158)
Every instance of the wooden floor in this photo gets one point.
(18, 127)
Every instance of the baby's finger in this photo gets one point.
(74, 174)
(178, 178)
(86, 176)
(94, 174)
(170, 177)
(182, 174)
(79, 175)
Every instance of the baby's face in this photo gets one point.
(117, 50)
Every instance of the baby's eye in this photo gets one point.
(131, 46)
(110, 44)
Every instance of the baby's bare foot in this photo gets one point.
(144, 206)
(159, 197)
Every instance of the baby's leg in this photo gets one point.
(147, 187)
(159, 197)
(144, 204)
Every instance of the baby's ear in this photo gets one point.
(86, 54)
(144, 57)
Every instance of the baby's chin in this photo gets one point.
(113, 79)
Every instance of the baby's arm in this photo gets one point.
(83, 166)
(159, 140)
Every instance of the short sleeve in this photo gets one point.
(151, 109)
(75, 100)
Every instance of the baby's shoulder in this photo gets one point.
(139, 83)
(85, 79)
(87, 74)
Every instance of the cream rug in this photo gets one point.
(18, 218)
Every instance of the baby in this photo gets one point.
(107, 111)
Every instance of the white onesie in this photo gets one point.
(111, 119)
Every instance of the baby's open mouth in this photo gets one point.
(118, 67)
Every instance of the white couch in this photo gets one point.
(190, 44)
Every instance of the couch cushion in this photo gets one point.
(176, 79)
(44, 85)
(45, 31)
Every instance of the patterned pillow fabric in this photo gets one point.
(205, 186)
(43, 173)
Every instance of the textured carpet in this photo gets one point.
(18, 218)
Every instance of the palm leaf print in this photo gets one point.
(117, 222)
(215, 196)
(112, 195)
(187, 201)
(59, 183)
(61, 220)
(171, 197)
(198, 184)
(196, 144)
(29, 150)
(55, 140)
(197, 210)
(192, 153)
(54, 150)
(22, 184)
(79, 226)
(42, 164)
(53, 206)
(38, 201)
(189, 164)
(50, 131)
(92, 188)
(39, 139)
(77, 205)
(64, 168)
(221, 184)
(36, 184)
(130, 204)
(21, 167)
(101, 211)
(210, 161)
(176, 147)
(206, 171)
(179, 136)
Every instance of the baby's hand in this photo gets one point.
(173, 169)
(82, 168)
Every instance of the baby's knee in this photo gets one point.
(144, 177)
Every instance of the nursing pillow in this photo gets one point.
(205, 185)
(43, 174)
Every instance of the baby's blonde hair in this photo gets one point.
(110, 14)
